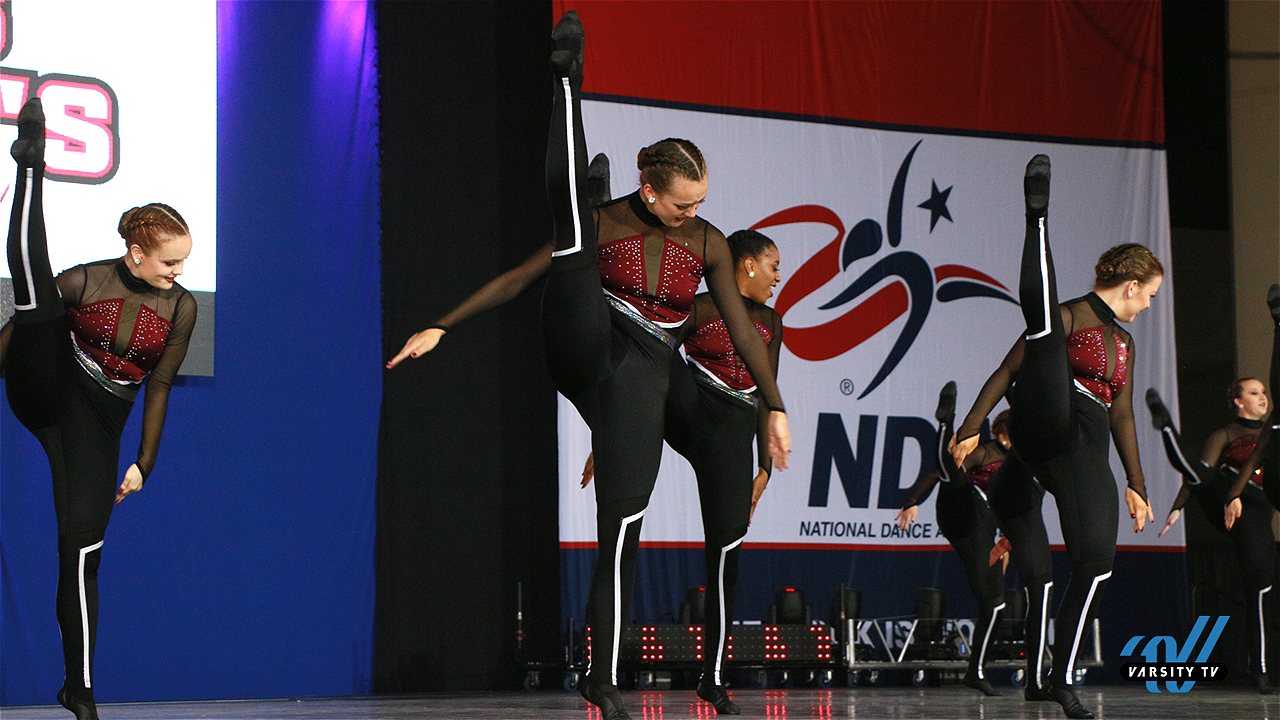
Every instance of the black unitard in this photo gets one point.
(970, 526)
(612, 355)
(715, 435)
(1068, 396)
(1266, 456)
(75, 393)
(1210, 481)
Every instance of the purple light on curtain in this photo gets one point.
(345, 27)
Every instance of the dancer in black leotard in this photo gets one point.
(622, 278)
(1210, 480)
(1068, 395)
(968, 523)
(127, 319)
(1266, 456)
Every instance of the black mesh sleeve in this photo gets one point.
(1124, 434)
(1184, 494)
(762, 431)
(500, 290)
(924, 485)
(1252, 464)
(746, 339)
(992, 390)
(161, 379)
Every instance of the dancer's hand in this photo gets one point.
(1139, 510)
(960, 450)
(418, 344)
(1232, 512)
(779, 439)
(907, 516)
(589, 470)
(1169, 522)
(999, 551)
(757, 489)
(131, 484)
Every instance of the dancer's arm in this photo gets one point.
(765, 470)
(965, 439)
(6, 333)
(1126, 439)
(1175, 511)
(156, 405)
(1250, 466)
(498, 291)
(746, 341)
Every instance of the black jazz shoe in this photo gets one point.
(1035, 186)
(605, 697)
(719, 697)
(28, 149)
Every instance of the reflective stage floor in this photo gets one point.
(942, 702)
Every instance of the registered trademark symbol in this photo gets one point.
(846, 386)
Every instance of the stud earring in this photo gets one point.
(136, 261)
(751, 273)
(652, 200)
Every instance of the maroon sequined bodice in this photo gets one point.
(1087, 351)
(624, 275)
(1237, 453)
(712, 350)
(981, 475)
(95, 327)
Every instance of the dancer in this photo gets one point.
(127, 320)
(1210, 480)
(968, 523)
(622, 277)
(1071, 391)
(1266, 456)
(713, 427)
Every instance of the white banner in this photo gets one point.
(130, 91)
(912, 240)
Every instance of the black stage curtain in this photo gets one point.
(467, 451)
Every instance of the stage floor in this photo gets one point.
(897, 703)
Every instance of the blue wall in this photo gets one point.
(245, 567)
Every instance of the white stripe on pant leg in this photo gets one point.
(982, 653)
(1084, 614)
(23, 244)
(1044, 283)
(1044, 622)
(1262, 632)
(573, 170)
(84, 611)
(724, 632)
(942, 465)
(1185, 466)
(617, 594)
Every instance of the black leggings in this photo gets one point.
(77, 423)
(1016, 500)
(720, 446)
(970, 527)
(1065, 437)
(614, 373)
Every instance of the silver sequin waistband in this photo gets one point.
(1089, 394)
(665, 336)
(124, 392)
(702, 377)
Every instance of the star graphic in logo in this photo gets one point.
(937, 205)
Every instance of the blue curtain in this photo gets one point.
(245, 568)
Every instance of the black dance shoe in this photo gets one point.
(1263, 684)
(1035, 186)
(83, 709)
(946, 412)
(1273, 301)
(1037, 694)
(28, 149)
(982, 685)
(567, 37)
(719, 697)
(598, 180)
(1159, 413)
(605, 697)
(1065, 696)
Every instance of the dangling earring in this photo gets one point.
(652, 199)
(751, 273)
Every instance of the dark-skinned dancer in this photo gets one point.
(1069, 397)
(622, 278)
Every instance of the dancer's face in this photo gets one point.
(678, 203)
(1253, 402)
(767, 275)
(1137, 297)
(161, 267)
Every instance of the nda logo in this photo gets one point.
(1163, 659)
